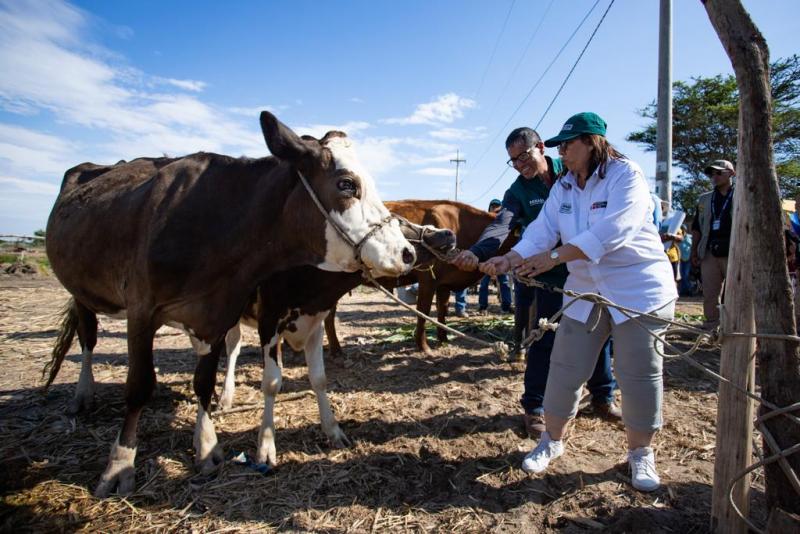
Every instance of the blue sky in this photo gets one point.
(411, 82)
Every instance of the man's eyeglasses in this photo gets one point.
(522, 158)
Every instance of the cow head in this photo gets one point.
(427, 237)
(348, 195)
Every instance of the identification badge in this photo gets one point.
(715, 224)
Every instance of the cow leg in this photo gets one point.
(208, 453)
(319, 383)
(424, 302)
(442, 302)
(119, 474)
(270, 385)
(334, 348)
(233, 345)
(87, 336)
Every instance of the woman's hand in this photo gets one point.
(500, 264)
(538, 264)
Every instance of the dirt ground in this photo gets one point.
(438, 440)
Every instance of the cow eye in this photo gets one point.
(346, 185)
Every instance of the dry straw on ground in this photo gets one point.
(438, 441)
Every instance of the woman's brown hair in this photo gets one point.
(602, 152)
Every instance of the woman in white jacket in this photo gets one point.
(600, 212)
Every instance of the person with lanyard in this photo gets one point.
(503, 286)
(711, 236)
(522, 204)
(597, 220)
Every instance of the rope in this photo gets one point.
(715, 337)
(499, 348)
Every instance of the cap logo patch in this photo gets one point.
(566, 127)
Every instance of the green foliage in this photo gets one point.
(705, 114)
(38, 242)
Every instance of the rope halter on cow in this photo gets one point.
(357, 246)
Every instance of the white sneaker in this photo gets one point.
(642, 462)
(539, 458)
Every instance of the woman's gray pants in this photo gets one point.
(637, 366)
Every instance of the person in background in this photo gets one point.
(673, 252)
(711, 236)
(685, 247)
(503, 285)
(597, 220)
(522, 203)
(461, 302)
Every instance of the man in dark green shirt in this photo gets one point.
(522, 203)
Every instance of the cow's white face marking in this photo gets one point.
(383, 251)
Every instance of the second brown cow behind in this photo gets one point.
(467, 223)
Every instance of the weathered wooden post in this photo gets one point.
(759, 246)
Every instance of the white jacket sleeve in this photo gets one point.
(626, 212)
(542, 234)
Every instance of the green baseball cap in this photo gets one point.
(580, 123)
(495, 202)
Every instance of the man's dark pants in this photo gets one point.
(601, 384)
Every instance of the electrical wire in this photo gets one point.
(494, 51)
(536, 84)
(574, 65)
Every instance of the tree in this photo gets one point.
(705, 123)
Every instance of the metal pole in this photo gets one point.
(664, 117)
(457, 161)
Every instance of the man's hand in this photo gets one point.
(537, 264)
(466, 261)
(495, 266)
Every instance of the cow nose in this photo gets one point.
(408, 256)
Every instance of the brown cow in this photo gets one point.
(186, 241)
(468, 223)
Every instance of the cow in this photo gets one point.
(186, 241)
(468, 223)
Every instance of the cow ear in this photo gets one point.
(282, 142)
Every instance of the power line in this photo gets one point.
(574, 65)
(536, 84)
(491, 186)
(521, 57)
(496, 44)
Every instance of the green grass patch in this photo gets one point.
(8, 258)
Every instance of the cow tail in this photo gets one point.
(69, 324)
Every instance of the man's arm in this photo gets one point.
(694, 258)
(497, 231)
(493, 235)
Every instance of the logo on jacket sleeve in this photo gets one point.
(566, 207)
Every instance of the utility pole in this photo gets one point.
(458, 161)
(664, 114)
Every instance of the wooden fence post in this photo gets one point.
(760, 240)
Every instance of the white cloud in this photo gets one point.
(458, 134)
(437, 171)
(443, 110)
(189, 85)
(357, 100)
(57, 69)
(9, 184)
(253, 111)
(351, 128)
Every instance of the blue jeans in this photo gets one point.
(505, 292)
(601, 384)
(461, 300)
(686, 287)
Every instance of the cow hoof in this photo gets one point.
(226, 400)
(123, 482)
(339, 439)
(120, 474)
(80, 403)
(212, 462)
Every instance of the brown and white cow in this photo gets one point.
(186, 241)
